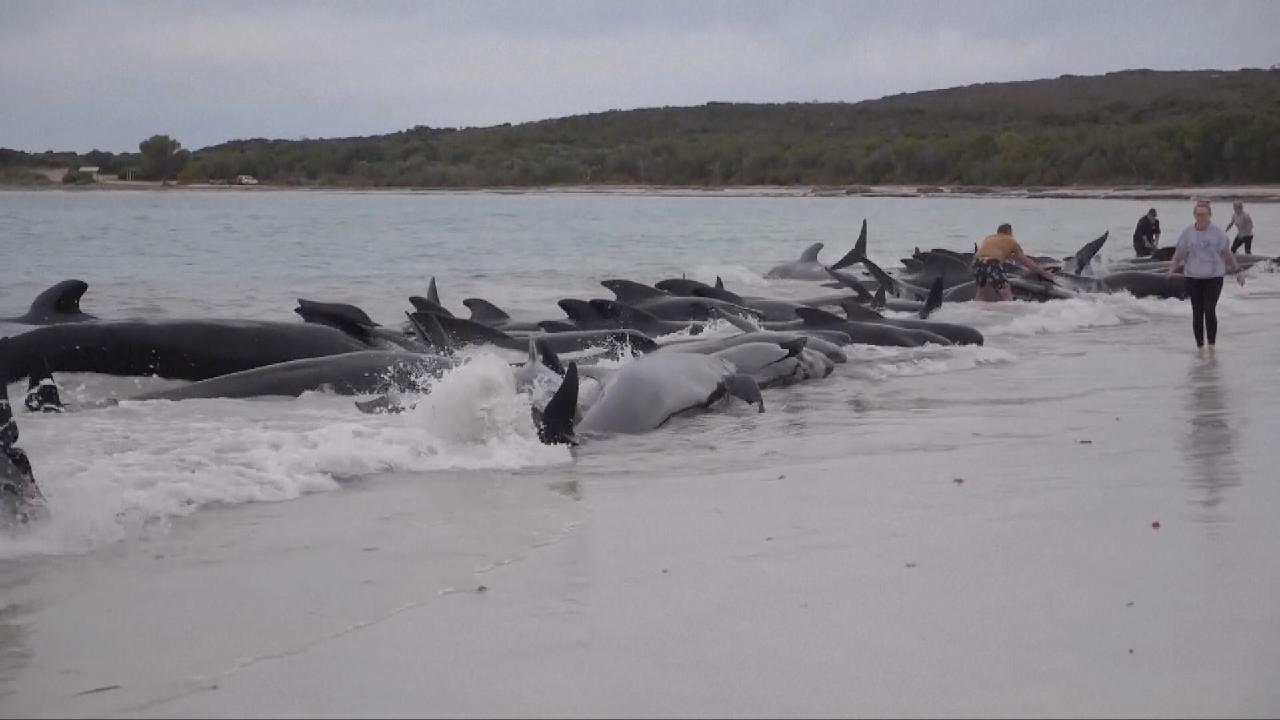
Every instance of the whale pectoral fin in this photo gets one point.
(934, 301)
(851, 282)
(879, 300)
(555, 422)
(540, 351)
(741, 323)
(855, 310)
(430, 331)
(857, 254)
(1085, 255)
(746, 388)
(42, 391)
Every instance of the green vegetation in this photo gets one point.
(162, 158)
(22, 176)
(1124, 128)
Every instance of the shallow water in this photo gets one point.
(817, 558)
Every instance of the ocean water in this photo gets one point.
(1076, 418)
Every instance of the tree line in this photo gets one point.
(1131, 127)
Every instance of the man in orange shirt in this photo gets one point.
(988, 273)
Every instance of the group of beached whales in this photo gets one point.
(340, 348)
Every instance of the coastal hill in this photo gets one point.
(1136, 127)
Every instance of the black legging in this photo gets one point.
(1246, 241)
(1204, 293)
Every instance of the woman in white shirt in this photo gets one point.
(1205, 251)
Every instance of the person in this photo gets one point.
(1204, 252)
(1244, 228)
(1146, 236)
(988, 261)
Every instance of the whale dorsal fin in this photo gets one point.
(462, 332)
(427, 305)
(810, 253)
(60, 299)
(347, 319)
(432, 294)
(616, 309)
(629, 291)
(816, 317)
(343, 312)
(578, 310)
(719, 294)
(63, 297)
(483, 311)
(555, 326)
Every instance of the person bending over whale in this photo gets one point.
(988, 271)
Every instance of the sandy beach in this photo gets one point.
(1251, 193)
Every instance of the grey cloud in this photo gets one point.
(80, 75)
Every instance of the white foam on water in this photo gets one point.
(881, 363)
(114, 471)
(1096, 310)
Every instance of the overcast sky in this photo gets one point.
(83, 75)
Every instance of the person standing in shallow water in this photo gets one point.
(1205, 251)
(1244, 228)
(988, 265)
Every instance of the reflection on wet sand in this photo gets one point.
(14, 650)
(1208, 451)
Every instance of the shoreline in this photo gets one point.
(1251, 193)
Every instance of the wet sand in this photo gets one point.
(991, 554)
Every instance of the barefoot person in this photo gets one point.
(1205, 251)
(988, 270)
